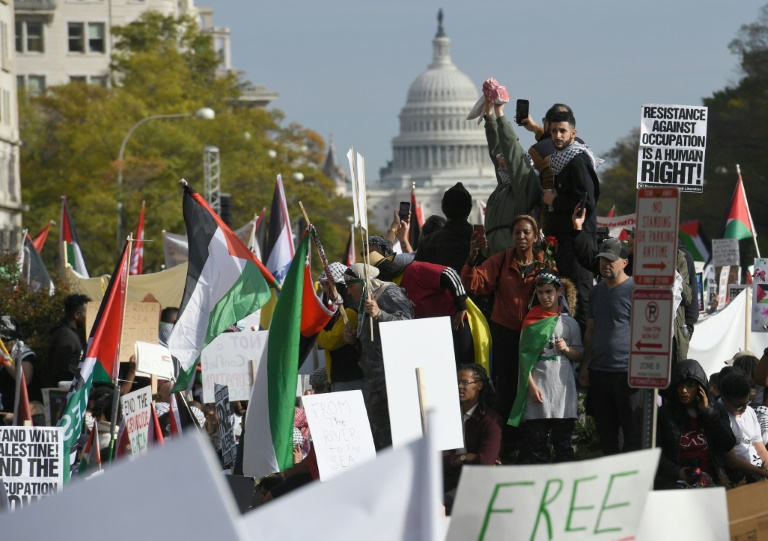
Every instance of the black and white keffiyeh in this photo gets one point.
(560, 158)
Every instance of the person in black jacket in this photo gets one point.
(693, 431)
(449, 246)
(65, 347)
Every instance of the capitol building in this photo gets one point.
(436, 147)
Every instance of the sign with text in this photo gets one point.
(228, 360)
(600, 499)
(673, 139)
(760, 296)
(140, 323)
(722, 290)
(650, 346)
(340, 431)
(31, 463)
(617, 224)
(137, 415)
(422, 343)
(154, 359)
(656, 236)
(226, 431)
(725, 252)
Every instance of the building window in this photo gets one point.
(29, 37)
(99, 81)
(76, 37)
(96, 38)
(35, 85)
(77, 79)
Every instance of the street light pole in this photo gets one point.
(205, 113)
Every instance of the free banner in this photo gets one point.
(226, 430)
(31, 463)
(136, 411)
(673, 139)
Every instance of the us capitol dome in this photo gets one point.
(436, 146)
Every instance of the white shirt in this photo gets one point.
(747, 432)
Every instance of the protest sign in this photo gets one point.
(54, 402)
(228, 360)
(422, 343)
(591, 499)
(178, 488)
(136, 411)
(722, 290)
(705, 512)
(735, 289)
(617, 224)
(154, 359)
(725, 252)
(760, 295)
(31, 463)
(226, 431)
(340, 431)
(141, 322)
(673, 139)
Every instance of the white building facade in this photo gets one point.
(436, 147)
(10, 187)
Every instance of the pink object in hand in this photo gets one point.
(494, 92)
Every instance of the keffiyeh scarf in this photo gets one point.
(560, 158)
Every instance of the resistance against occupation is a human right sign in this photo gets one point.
(673, 139)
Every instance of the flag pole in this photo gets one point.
(326, 267)
(116, 388)
(754, 231)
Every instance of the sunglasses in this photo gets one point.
(738, 407)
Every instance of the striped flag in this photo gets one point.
(612, 212)
(39, 240)
(100, 360)
(68, 243)
(739, 223)
(155, 434)
(137, 254)
(280, 250)
(33, 270)
(693, 238)
(91, 453)
(225, 283)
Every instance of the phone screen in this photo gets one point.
(479, 230)
(521, 112)
(405, 209)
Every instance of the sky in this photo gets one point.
(343, 67)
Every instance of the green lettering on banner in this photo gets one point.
(573, 508)
(72, 421)
(490, 509)
(605, 507)
(543, 508)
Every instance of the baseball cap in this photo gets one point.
(612, 249)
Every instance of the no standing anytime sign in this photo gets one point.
(656, 236)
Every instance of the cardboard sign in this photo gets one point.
(154, 359)
(651, 338)
(760, 296)
(31, 463)
(340, 431)
(54, 402)
(656, 237)
(422, 343)
(137, 414)
(673, 139)
(591, 499)
(725, 252)
(140, 323)
(185, 481)
(228, 361)
(747, 513)
(226, 431)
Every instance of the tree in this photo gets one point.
(163, 65)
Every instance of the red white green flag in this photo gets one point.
(693, 238)
(68, 242)
(739, 223)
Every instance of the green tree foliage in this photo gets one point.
(163, 65)
(731, 139)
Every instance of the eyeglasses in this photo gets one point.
(464, 382)
(738, 407)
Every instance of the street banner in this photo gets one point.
(340, 431)
(31, 463)
(673, 139)
(137, 415)
(600, 499)
(226, 430)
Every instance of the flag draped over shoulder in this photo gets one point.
(693, 238)
(100, 361)
(137, 256)
(68, 242)
(739, 222)
(538, 327)
(269, 420)
(225, 283)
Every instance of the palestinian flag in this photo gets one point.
(91, 453)
(39, 240)
(100, 360)
(269, 420)
(68, 243)
(225, 283)
(33, 271)
(612, 212)
(538, 327)
(739, 223)
(137, 254)
(279, 250)
(693, 238)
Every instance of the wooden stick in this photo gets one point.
(422, 398)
